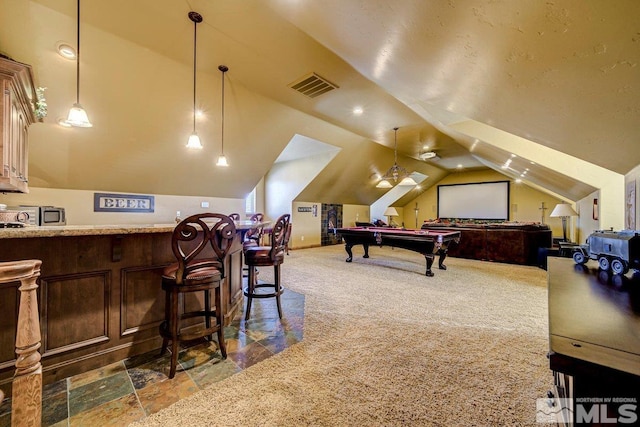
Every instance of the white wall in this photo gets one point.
(306, 226)
(287, 179)
(587, 222)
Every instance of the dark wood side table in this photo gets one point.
(594, 338)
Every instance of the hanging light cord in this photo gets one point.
(395, 147)
(223, 69)
(78, 56)
(195, 41)
(222, 121)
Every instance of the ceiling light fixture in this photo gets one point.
(427, 155)
(66, 51)
(396, 172)
(77, 116)
(194, 139)
(222, 160)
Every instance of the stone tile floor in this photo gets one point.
(134, 388)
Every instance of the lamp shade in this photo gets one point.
(390, 211)
(384, 184)
(78, 117)
(408, 181)
(563, 210)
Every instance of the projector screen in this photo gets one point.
(483, 200)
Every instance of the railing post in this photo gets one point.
(26, 401)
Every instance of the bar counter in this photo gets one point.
(100, 296)
(83, 230)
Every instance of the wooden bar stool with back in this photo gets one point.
(262, 256)
(201, 244)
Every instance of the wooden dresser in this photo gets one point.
(594, 339)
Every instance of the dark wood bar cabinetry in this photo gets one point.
(594, 338)
(100, 295)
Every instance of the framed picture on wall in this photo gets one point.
(630, 206)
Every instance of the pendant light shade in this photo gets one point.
(194, 139)
(222, 159)
(77, 116)
(396, 172)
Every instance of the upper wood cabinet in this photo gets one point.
(16, 112)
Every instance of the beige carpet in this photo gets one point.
(385, 345)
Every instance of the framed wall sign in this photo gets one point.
(106, 202)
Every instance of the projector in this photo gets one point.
(428, 155)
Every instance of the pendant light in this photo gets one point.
(77, 116)
(222, 160)
(396, 172)
(194, 139)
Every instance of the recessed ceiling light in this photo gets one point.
(459, 166)
(66, 50)
(518, 181)
(358, 111)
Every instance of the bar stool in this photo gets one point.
(262, 256)
(201, 244)
(287, 237)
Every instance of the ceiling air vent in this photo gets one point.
(312, 85)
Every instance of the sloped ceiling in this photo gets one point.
(562, 74)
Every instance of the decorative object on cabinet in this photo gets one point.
(194, 139)
(16, 114)
(222, 159)
(77, 115)
(41, 103)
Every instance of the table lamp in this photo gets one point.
(389, 213)
(564, 211)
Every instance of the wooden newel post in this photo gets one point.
(26, 399)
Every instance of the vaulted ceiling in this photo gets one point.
(478, 82)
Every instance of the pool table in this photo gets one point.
(427, 242)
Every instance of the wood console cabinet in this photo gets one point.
(594, 339)
(16, 114)
(100, 297)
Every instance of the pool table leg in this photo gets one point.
(347, 247)
(443, 255)
(429, 259)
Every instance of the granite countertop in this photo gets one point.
(83, 230)
(97, 230)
